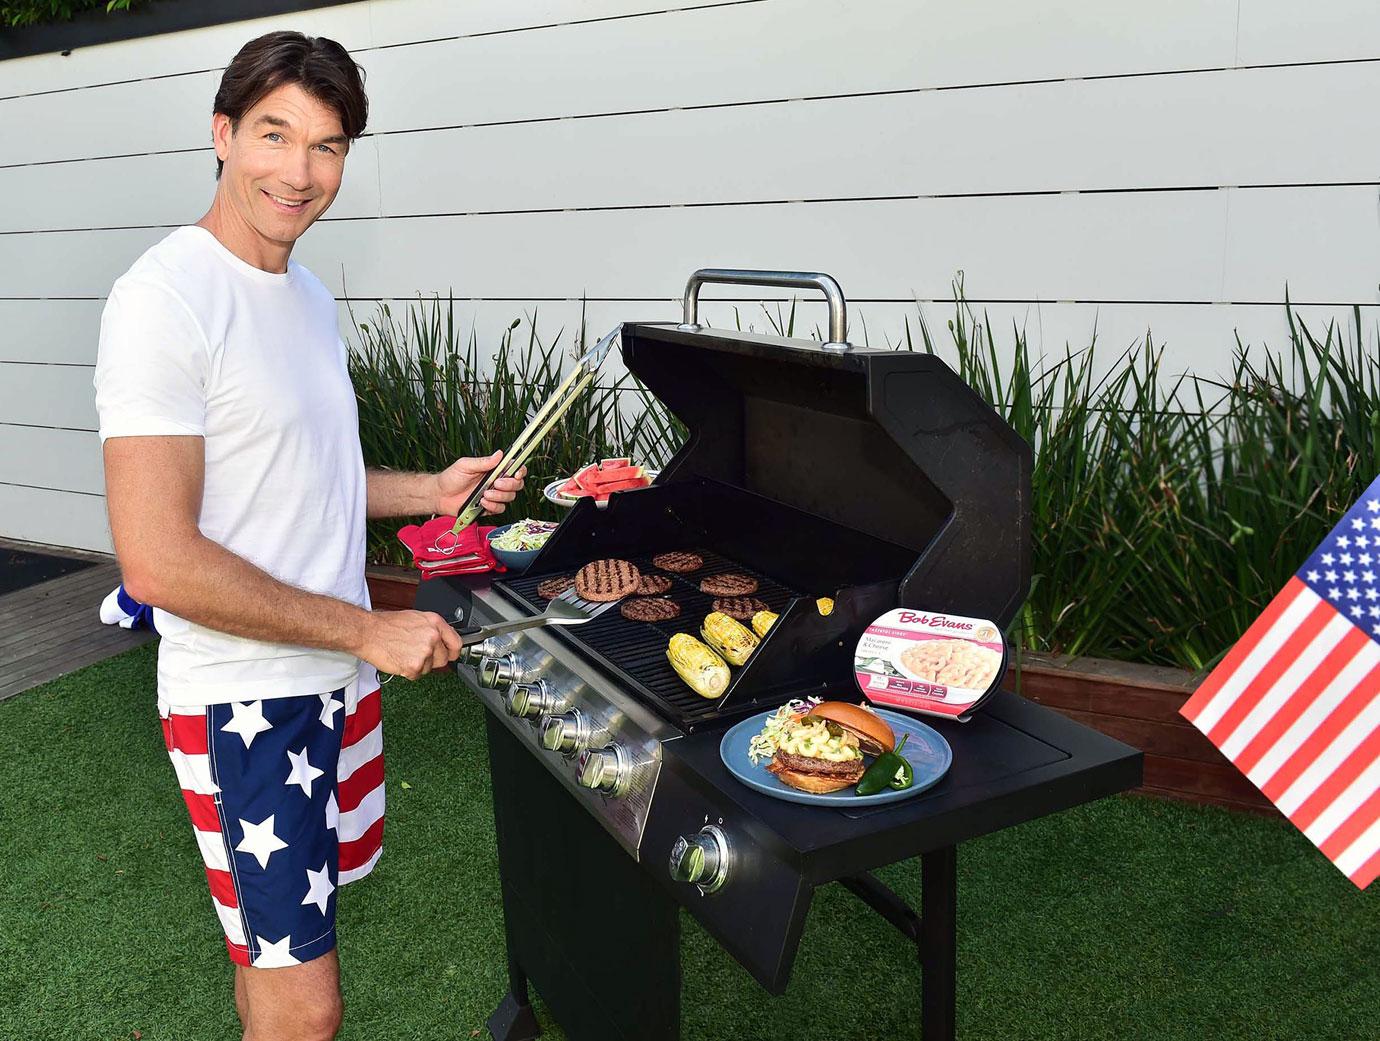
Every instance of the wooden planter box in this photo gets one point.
(1138, 704)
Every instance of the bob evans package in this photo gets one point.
(936, 664)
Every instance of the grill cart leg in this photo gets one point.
(938, 942)
(933, 932)
(514, 1019)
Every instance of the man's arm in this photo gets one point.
(153, 494)
(392, 493)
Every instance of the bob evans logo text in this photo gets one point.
(938, 621)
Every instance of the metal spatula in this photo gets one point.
(567, 609)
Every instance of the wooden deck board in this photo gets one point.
(54, 628)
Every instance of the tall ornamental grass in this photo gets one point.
(1167, 509)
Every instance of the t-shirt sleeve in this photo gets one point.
(152, 364)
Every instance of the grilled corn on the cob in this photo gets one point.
(825, 605)
(729, 637)
(697, 665)
(762, 621)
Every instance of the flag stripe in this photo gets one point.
(1280, 658)
(364, 750)
(1219, 690)
(356, 873)
(358, 821)
(354, 854)
(202, 809)
(364, 718)
(360, 783)
(1336, 706)
(1354, 828)
(188, 732)
(1367, 871)
(1350, 767)
(1350, 697)
(222, 885)
(1351, 799)
(1302, 700)
(1297, 660)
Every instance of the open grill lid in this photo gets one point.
(885, 442)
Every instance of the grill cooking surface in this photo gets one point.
(638, 649)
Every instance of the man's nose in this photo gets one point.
(296, 173)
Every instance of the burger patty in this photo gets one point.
(808, 764)
(550, 588)
(649, 609)
(653, 585)
(729, 584)
(680, 562)
(605, 580)
(739, 607)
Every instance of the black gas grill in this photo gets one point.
(875, 478)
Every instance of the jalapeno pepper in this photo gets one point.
(888, 770)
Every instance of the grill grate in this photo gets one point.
(637, 650)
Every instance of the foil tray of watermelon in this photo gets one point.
(598, 481)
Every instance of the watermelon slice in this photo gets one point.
(603, 478)
(614, 464)
(622, 486)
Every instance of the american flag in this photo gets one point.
(1295, 705)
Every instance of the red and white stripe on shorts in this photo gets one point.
(359, 796)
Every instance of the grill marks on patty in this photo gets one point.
(740, 607)
(653, 585)
(730, 583)
(680, 562)
(649, 609)
(550, 588)
(605, 580)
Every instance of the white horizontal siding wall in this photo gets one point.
(1087, 164)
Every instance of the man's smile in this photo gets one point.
(287, 205)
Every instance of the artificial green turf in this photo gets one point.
(1126, 919)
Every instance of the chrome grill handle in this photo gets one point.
(826, 284)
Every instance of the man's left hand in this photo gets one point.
(455, 483)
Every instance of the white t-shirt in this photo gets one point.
(196, 341)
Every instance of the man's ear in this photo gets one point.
(221, 131)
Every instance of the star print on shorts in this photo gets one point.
(286, 798)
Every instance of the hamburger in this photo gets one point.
(822, 750)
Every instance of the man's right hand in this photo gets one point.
(409, 643)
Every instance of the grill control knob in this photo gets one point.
(498, 673)
(565, 732)
(474, 653)
(529, 700)
(702, 859)
(605, 769)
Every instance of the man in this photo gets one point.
(238, 496)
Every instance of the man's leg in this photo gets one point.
(241, 1001)
(295, 1003)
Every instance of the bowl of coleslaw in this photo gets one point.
(516, 545)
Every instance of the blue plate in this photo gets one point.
(926, 750)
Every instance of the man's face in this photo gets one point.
(283, 163)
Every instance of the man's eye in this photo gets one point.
(327, 148)
(273, 136)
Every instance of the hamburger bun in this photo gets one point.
(872, 731)
(817, 783)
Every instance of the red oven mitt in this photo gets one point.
(435, 551)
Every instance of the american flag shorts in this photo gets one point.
(286, 800)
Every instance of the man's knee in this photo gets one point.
(316, 1021)
(322, 1021)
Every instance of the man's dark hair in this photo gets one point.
(321, 67)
